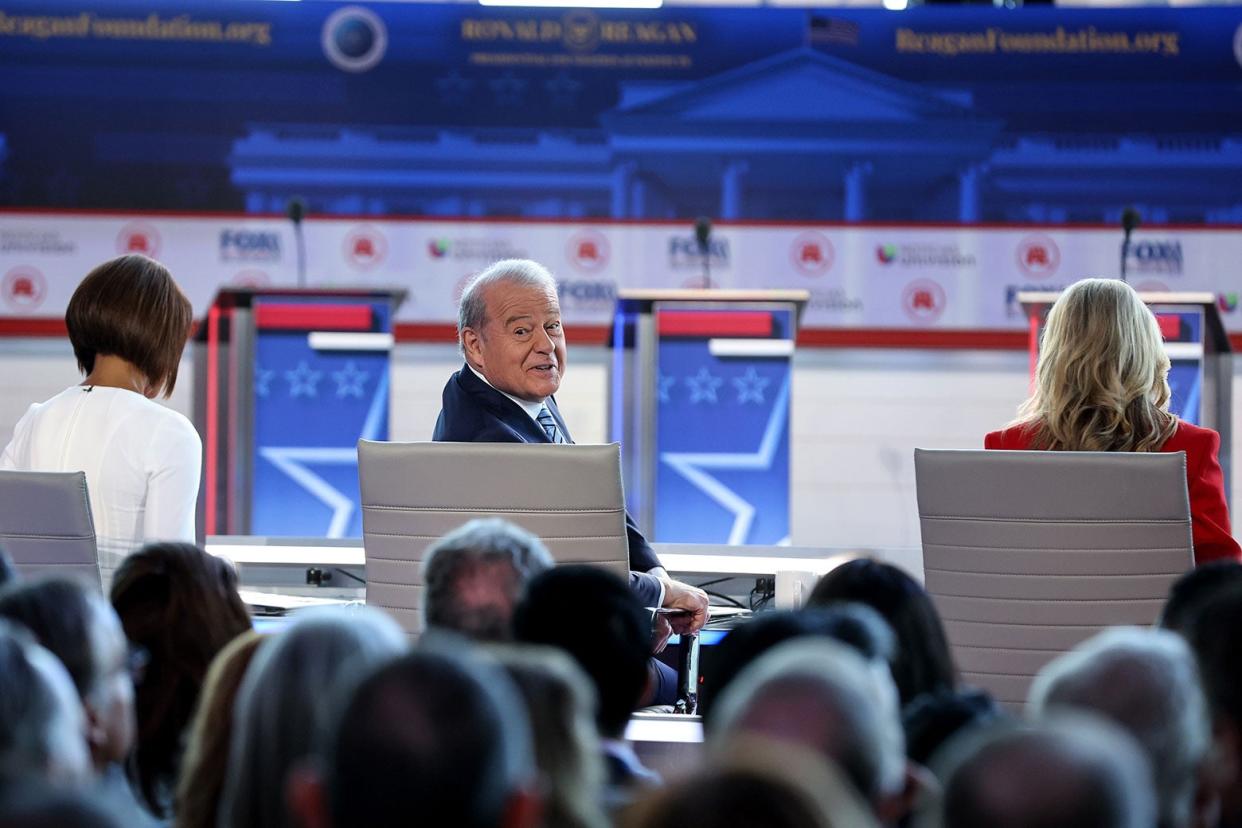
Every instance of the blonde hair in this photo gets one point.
(1102, 379)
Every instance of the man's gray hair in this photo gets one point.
(472, 310)
(282, 710)
(41, 718)
(479, 542)
(867, 741)
(1147, 682)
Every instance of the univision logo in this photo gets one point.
(1228, 302)
(438, 248)
(886, 253)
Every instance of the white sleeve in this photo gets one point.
(172, 481)
(17, 446)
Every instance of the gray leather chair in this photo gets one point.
(46, 524)
(413, 493)
(1027, 553)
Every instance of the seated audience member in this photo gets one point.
(279, 708)
(8, 572)
(1146, 682)
(1102, 384)
(821, 695)
(923, 663)
(80, 628)
(932, 719)
(474, 576)
(592, 615)
(180, 606)
(760, 784)
(203, 767)
(34, 804)
(128, 323)
(1215, 635)
(1077, 772)
(1195, 588)
(41, 719)
(855, 625)
(429, 739)
(560, 704)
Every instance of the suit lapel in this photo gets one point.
(505, 409)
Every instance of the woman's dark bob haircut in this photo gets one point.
(131, 308)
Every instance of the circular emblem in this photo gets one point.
(1038, 256)
(1237, 45)
(923, 300)
(812, 254)
(354, 39)
(581, 31)
(438, 248)
(137, 237)
(886, 253)
(24, 288)
(365, 247)
(588, 251)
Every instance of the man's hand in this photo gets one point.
(692, 602)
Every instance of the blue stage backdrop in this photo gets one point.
(967, 114)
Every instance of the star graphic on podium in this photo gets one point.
(303, 381)
(350, 381)
(692, 465)
(665, 383)
(703, 386)
(453, 88)
(507, 90)
(750, 386)
(263, 380)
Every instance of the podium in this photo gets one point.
(699, 400)
(1201, 370)
(286, 383)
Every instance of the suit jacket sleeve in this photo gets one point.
(642, 556)
(646, 588)
(1209, 514)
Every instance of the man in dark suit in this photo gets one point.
(509, 328)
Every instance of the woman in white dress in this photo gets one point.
(128, 323)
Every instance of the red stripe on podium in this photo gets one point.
(715, 323)
(1170, 326)
(313, 317)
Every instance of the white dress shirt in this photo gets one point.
(142, 463)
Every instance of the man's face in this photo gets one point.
(521, 347)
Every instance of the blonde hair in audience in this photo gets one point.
(1102, 379)
(207, 749)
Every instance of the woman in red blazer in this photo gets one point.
(1102, 385)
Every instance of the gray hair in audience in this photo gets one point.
(472, 310)
(479, 543)
(1070, 771)
(281, 714)
(1145, 681)
(560, 701)
(823, 695)
(42, 725)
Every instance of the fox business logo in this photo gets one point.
(684, 252)
(249, 246)
(1149, 256)
(586, 294)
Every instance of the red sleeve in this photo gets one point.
(1209, 514)
(992, 440)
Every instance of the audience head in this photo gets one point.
(180, 606)
(41, 722)
(1101, 383)
(933, 719)
(78, 626)
(1146, 682)
(591, 614)
(1215, 635)
(923, 663)
(206, 761)
(8, 572)
(509, 328)
(280, 710)
(1075, 772)
(130, 307)
(823, 696)
(432, 734)
(855, 625)
(560, 704)
(1193, 589)
(776, 786)
(34, 804)
(475, 575)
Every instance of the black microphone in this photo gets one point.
(703, 233)
(1130, 219)
(295, 209)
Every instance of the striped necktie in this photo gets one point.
(548, 423)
